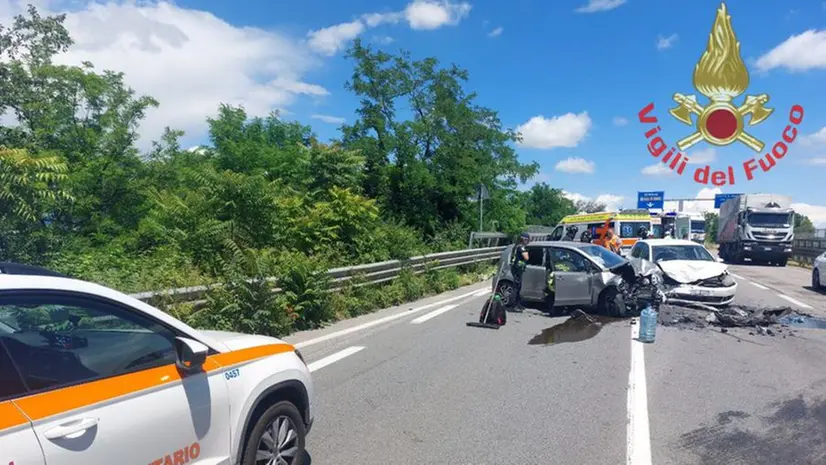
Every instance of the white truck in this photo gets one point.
(690, 226)
(756, 226)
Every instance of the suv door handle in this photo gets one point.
(69, 429)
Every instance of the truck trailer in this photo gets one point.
(759, 227)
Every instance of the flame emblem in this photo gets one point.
(721, 76)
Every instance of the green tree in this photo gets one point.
(423, 169)
(28, 184)
(802, 224)
(86, 118)
(712, 221)
(547, 206)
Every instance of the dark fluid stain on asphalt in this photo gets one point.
(788, 432)
(802, 321)
(579, 327)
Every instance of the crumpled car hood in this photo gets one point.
(636, 268)
(689, 271)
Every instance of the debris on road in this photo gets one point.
(762, 321)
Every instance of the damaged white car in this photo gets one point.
(690, 272)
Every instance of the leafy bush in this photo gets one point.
(114, 267)
(245, 301)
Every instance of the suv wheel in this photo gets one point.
(816, 279)
(277, 438)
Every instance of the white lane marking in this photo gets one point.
(794, 301)
(639, 436)
(330, 359)
(737, 276)
(759, 286)
(370, 324)
(483, 292)
(433, 314)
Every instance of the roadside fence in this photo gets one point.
(358, 275)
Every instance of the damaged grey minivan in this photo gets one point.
(586, 275)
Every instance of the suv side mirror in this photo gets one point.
(191, 354)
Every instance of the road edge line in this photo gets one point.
(795, 301)
(638, 433)
(433, 314)
(330, 359)
(379, 321)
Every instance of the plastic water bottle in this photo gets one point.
(648, 324)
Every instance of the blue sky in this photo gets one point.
(577, 70)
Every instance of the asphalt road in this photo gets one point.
(414, 385)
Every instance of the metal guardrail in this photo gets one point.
(358, 275)
(806, 249)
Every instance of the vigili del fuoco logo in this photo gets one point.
(721, 76)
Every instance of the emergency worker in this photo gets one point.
(519, 260)
(612, 242)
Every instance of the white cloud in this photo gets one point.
(666, 42)
(797, 53)
(816, 161)
(329, 119)
(496, 32)
(419, 14)
(594, 6)
(431, 14)
(620, 121)
(190, 61)
(377, 19)
(697, 206)
(330, 40)
(575, 197)
(817, 139)
(612, 202)
(567, 130)
(657, 169)
(576, 165)
(816, 213)
(383, 40)
(702, 156)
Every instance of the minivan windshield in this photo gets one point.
(603, 256)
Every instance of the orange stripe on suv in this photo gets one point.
(50, 403)
(11, 416)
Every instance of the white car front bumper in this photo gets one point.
(705, 295)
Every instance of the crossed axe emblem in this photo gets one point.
(753, 105)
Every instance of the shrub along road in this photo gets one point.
(418, 386)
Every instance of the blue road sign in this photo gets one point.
(651, 200)
(720, 198)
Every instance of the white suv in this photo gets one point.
(89, 375)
